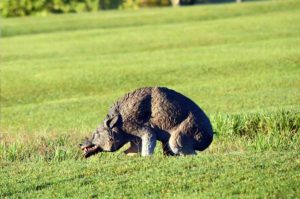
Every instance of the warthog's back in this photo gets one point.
(170, 108)
(156, 106)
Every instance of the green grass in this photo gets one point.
(239, 62)
(238, 175)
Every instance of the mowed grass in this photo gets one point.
(239, 62)
(235, 175)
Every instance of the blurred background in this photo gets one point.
(10, 8)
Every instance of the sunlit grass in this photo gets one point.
(229, 65)
(246, 175)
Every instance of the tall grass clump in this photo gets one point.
(260, 131)
(45, 148)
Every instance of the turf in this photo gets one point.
(240, 175)
(239, 62)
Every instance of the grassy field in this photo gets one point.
(239, 62)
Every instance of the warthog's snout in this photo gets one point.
(89, 148)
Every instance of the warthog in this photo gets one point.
(149, 114)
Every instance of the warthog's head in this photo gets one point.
(107, 137)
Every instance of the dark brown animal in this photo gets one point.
(149, 114)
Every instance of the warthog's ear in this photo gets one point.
(114, 121)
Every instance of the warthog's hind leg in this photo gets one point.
(166, 149)
(181, 144)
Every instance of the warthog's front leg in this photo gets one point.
(148, 137)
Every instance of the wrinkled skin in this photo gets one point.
(152, 114)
